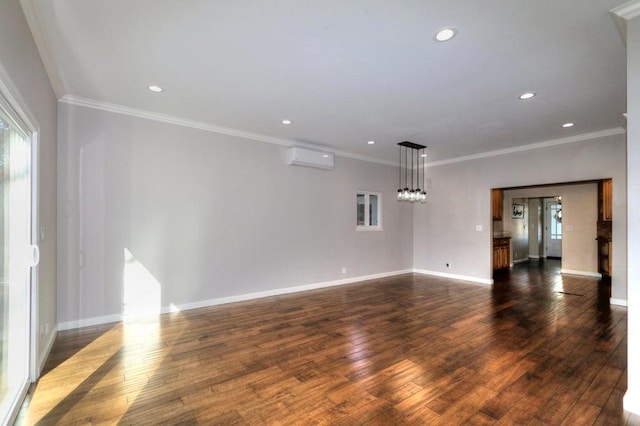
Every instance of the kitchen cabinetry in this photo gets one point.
(501, 253)
(497, 198)
(605, 200)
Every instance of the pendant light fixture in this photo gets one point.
(412, 153)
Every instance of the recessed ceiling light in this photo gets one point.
(445, 34)
(155, 88)
(527, 95)
(287, 122)
(567, 125)
(423, 155)
(371, 142)
(325, 155)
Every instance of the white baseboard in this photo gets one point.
(631, 402)
(520, 261)
(87, 322)
(582, 273)
(44, 354)
(618, 302)
(533, 256)
(454, 276)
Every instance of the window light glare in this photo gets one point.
(527, 95)
(286, 122)
(154, 88)
(567, 125)
(445, 34)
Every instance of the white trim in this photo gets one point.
(44, 355)
(533, 256)
(33, 20)
(477, 280)
(631, 402)
(367, 197)
(581, 273)
(34, 293)
(88, 322)
(619, 302)
(627, 10)
(521, 260)
(230, 299)
(199, 125)
(12, 99)
(537, 145)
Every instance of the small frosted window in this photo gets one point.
(368, 211)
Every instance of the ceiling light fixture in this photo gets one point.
(527, 95)
(371, 142)
(567, 125)
(154, 88)
(445, 34)
(412, 154)
(286, 122)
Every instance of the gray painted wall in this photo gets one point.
(632, 397)
(22, 70)
(208, 216)
(460, 199)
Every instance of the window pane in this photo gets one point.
(373, 210)
(360, 210)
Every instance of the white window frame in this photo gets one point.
(366, 226)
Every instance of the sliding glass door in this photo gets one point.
(17, 256)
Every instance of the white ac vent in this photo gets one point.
(297, 156)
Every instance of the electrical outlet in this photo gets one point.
(478, 228)
(448, 264)
(344, 270)
(46, 328)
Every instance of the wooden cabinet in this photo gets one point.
(605, 200)
(501, 253)
(496, 209)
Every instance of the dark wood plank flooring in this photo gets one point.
(536, 348)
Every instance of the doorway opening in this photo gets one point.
(550, 221)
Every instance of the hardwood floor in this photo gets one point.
(536, 348)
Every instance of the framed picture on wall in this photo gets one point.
(518, 211)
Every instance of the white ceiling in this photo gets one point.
(348, 71)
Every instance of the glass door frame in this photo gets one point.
(11, 100)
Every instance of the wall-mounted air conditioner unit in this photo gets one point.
(297, 156)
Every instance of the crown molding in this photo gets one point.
(199, 125)
(55, 79)
(627, 10)
(529, 147)
(177, 121)
(622, 14)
